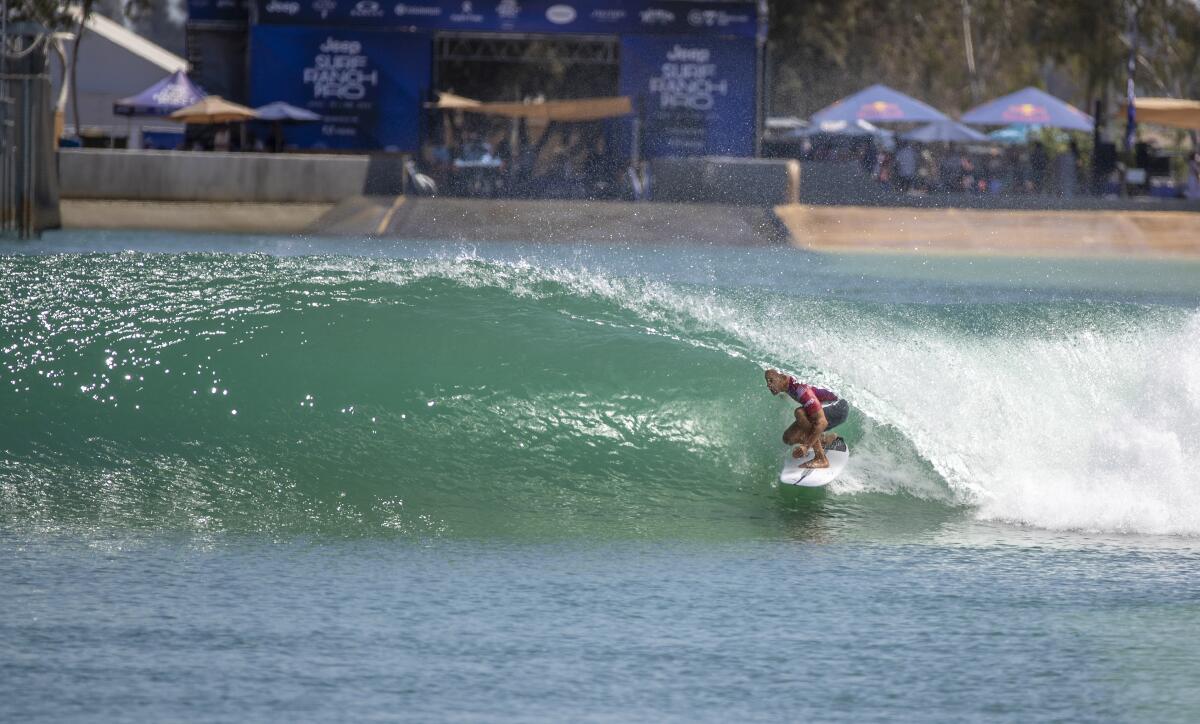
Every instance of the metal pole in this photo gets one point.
(29, 153)
(6, 168)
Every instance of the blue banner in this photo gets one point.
(224, 10)
(368, 85)
(696, 96)
(615, 17)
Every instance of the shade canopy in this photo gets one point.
(1023, 133)
(944, 132)
(862, 129)
(282, 112)
(582, 109)
(1172, 112)
(214, 109)
(879, 104)
(1029, 106)
(785, 123)
(168, 95)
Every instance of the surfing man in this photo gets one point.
(808, 431)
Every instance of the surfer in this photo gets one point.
(808, 431)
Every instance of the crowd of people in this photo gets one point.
(1060, 168)
(943, 168)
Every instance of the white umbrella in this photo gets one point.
(944, 132)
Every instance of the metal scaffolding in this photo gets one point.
(499, 48)
(25, 169)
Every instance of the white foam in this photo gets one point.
(1074, 419)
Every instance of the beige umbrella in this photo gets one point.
(1173, 112)
(582, 109)
(214, 109)
(451, 102)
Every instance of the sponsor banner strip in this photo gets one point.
(672, 17)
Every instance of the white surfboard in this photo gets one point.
(793, 474)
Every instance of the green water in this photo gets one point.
(306, 479)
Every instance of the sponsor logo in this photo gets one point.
(324, 7)
(425, 11)
(283, 7)
(680, 54)
(467, 14)
(340, 71)
(688, 79)
(715, 18)
(332, 46)
(367, 9)
(560, 14)
(174, 95)
(657, 16)
(508, 10)
(877, 110)
(608, 15)
(1026, 113)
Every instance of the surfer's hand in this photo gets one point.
(799, 451)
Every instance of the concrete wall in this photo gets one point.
(197, 176)
(832, 183)
(739, 181)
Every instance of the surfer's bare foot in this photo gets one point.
(816, 464)
(829, 439)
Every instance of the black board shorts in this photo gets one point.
(836, 413)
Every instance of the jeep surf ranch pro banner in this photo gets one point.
(366, 85)
(696, 96)
(731, 19)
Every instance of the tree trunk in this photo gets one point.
(64, 89)
(85, 12)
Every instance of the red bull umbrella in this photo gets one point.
(879, 104)
(1029, 106)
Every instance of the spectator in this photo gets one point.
(1067, 170)
(1038, 163)
(869, 157)
(995, 172)
(1192, 191)
(906, 166)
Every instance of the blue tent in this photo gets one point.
(1032, 107)
(170, 94)
(279, 113)
(879, 104)
(944, 132)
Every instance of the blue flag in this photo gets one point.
(1130, 115)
